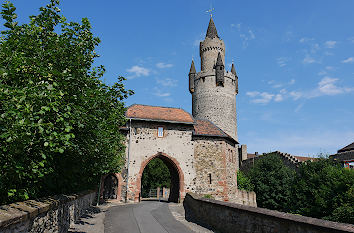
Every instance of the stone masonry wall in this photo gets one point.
(216, 163)
(47, 215)
(176, 145)
(216, 103)
(288, 160)
(228, 217)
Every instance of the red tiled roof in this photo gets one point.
(303, 158)
(207, 128)
(147, 112)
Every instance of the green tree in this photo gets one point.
(272, 182)
(156, 174)
(244, 182)
(323, 189)
(59, 124)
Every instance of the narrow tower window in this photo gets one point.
(160, 132)
(209, 178)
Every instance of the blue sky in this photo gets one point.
(294, 59)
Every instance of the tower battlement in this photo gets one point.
(214, 89)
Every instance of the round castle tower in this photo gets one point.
(213, 89)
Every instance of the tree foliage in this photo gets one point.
(272, 182)
(320, 189)
(156, 174)
(59, 124)
(244, 182)
(323, 189)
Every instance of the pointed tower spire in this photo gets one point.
(233, 70)
(191, 76)
(211, 32)
(192, 69)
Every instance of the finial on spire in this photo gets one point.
(210, 11)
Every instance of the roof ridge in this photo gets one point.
(155, 106)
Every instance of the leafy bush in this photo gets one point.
(272, 182)
(320, 189)
(324, 189)
(59, 124)
(244, 182)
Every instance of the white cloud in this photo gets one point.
(325, 71)
(167, 82)
(260, 97)
(292, 81)
(348, 60)
(252, 93)
(282, 61)
(308, 60)
(299, 107)
(246, 36)
(278, 98)
(322, 72)
(238, 26)
(329, 68)
(138, 71)
(330, 44)
(162, 65)
(159, 93)
(296, 95)
(327, 86)
(305, 39)
(351, 39)
(315, 48)
(252, 36)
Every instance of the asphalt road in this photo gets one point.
(145, 217)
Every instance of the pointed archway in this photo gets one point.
(177, 178)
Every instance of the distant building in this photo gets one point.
(289, 160)
(345, 156)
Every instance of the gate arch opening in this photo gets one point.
(176, 176)
(110, 186)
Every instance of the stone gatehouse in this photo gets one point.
(201, 150)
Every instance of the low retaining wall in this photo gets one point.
(244, 197)
(227, 217)
(54, 214)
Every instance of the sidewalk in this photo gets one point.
(92, 221)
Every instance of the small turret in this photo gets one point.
(219, 69)
(233, 71)
(192, 73)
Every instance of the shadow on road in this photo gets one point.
(89, 214)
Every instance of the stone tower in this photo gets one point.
(213, 89)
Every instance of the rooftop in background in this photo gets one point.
(147, 112)
(300, 158)
(347, 148)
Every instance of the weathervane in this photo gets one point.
(210, 11)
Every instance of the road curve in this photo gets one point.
(144, 217)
